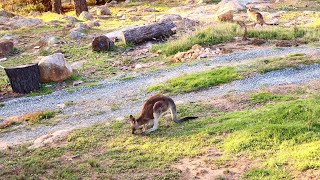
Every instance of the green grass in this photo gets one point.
(198, 81)
(265, 97)
(277, 33)
(292, 60)
(204, 80)
(266, 174)
(283, 136)
(207, 36)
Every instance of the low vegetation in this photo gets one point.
(265, 97)
(29, 118)
(204, 80)
(110, 151)
(197, 81)
(206, 37)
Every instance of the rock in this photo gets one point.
(50, 40)
(101, 43)
(85, 16)
(226, 5)
(37, 47)
(225, 16)
(28, 22)
(81, 27)
(131, 10)
(76, 35)
(3, 59)
(70, 19)
(123, 17)
(113, 2)
(77, 83)
(54, 68)
(77, 65)
(103, 11)
(61, 106)
(170, 17)
(50, 139)
(138, 66)
(7, 14)
(149, 10)
(8, 37)
(6, 47)
(91, 24)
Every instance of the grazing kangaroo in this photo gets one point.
(257, 17)
(151, 112)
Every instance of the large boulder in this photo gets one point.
(54, 68)
(85, 16)
(6, 47)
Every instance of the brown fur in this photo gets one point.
(152, 110)
(256, 17)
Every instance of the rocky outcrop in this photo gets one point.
(54, 68)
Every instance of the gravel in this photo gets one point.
(94, 104)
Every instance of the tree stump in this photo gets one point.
(148, 32)
(24, 79)
(56, 6)
(80, 5)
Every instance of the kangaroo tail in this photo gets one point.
(173, 110)
(187, 118)
(272, 24)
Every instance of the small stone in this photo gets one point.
(3, 59)
(61, 106)
(36, 47)
(77, 83)
(138, 66)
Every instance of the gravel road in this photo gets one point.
(115, 99)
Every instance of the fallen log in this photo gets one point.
(145, 33)
(24, 79)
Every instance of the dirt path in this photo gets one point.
(116, 99)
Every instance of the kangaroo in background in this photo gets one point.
(152, 111)
(257, 17)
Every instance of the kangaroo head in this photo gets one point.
(250, 9)
(134, 124)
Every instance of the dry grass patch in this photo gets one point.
(29, 118)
